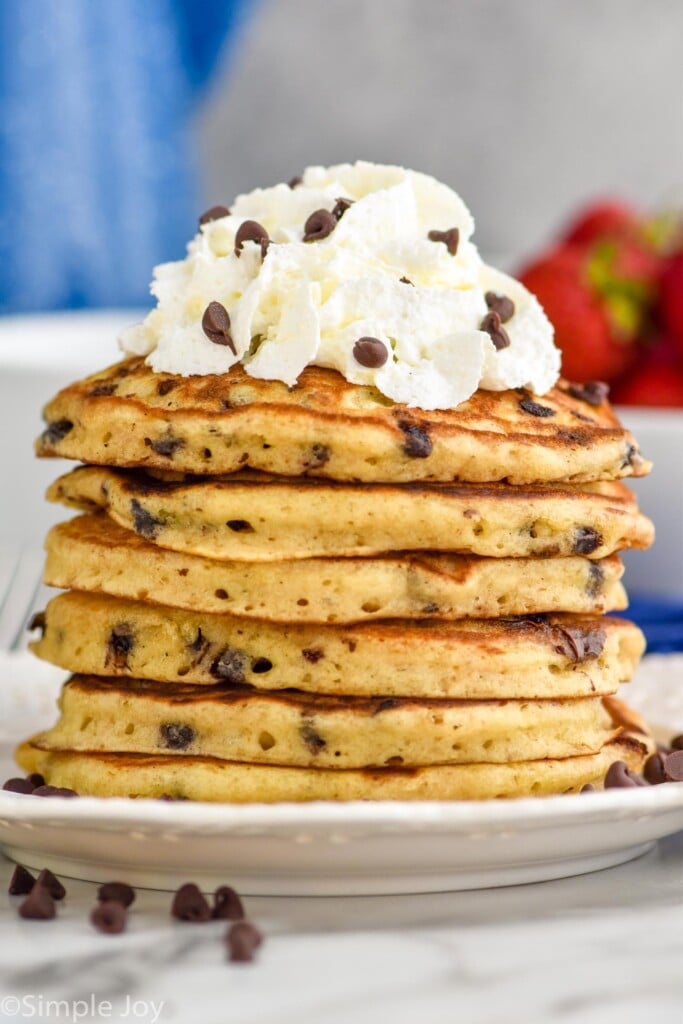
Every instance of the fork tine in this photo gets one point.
(24, 582)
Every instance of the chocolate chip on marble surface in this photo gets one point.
(109, 917)
(319, 225)
(227, 905)
(500, 304)
(213, 213)
(619, 776)
(118, 892)
(216, 325)
(593, 392)
(450, 238)
(21, 882)
(18, 785)
(144, 522)
(653, 769)
(243, 939)
(340, 207)
(38, 905)
(586, 540)
(189, 904)
(417, 444)
(673, 766)
(370, 352)
(493, 326)
(52, 884)
(252, 231)
(535, 408)
(54, 791)
(57, 430)
(176, 736)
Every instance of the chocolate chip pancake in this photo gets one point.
(532, 657)
(210, 779)
(93, 553)
(292, 728)
(252, 517)
(324, 426)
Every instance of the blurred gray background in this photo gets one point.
(526, 107)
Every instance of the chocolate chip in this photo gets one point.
(588, 788)
(167, 446)
(37, 779)
(594, 392)
(493, 326)
(535, 409)
(620, 777)
(370, 352)
(673, 766)
(38, 905)
(313, 654)
(109, 917)
(216, 325)
(21, 882)
(320, 454)
(296, 180)
(450, 238)
(164, 386)
(213, 213)
(386, 705)
(406, 280)
(581, 437)
(580, 644)
(120, 643)
(252, 231)
(319, 225)
(500, 304)
(103, 390)
(18, 785)
(37, 622)
(144, 522)
(240, 526)
(417, 444)
(57, 430)
(676, 743)
(596, 578)
(117, 892)
(175, 736)
(312, 739)
(653, 769)
(586, 540)
(227, 906)
(243, 939)
(52, 884)
(340, 207)
(54, 791)
(261, 665)
(189, 904)
(229, 666)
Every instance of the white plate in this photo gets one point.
(325, 848)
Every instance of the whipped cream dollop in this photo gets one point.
(364, 268)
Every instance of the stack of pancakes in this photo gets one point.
(307, 593)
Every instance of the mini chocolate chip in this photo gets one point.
(500, 304)
(450, 238)
(240, 526)
(52, 884)
(370, 352)
(535, 409)
(164, 386)
(18, 785)
(417, 444)
(120, 643)
(312, 739)
(38, 905)
(213, 213)
(21, 882)
(37, 622)
(54, 791)
(653, 769)
(620, 777)
(175, 736)
(109, 917)
(493, 326)
(252, 231)
(57, 431)
(103, 390)
(340, 207)
(243, 939)
(227, 906)
(144, 522)
(586, 540)
(313, 654)
(229, 666)
(37, 779)
(588, 788)
(296, 180)
(673, 766)
(676, 743)
(320, 454)
(117, 892)
(189, 904)
(594, 392)
(216, 325)
(596, 579)
(167, 446)
(319, 225)
(406, 280)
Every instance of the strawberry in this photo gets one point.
(670, 306)
(603, 219)
(657, 380)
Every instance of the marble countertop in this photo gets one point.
(603, 948)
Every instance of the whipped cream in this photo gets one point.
(377, 274)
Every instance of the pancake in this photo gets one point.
(324, 426)
(536, 656)
(209, 779)
(251, 517)
(93, 553)
(305, 730)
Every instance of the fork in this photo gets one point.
(22, 593)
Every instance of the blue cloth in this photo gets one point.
(97, 169)
(661, 620)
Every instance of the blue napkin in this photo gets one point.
(661, 620)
